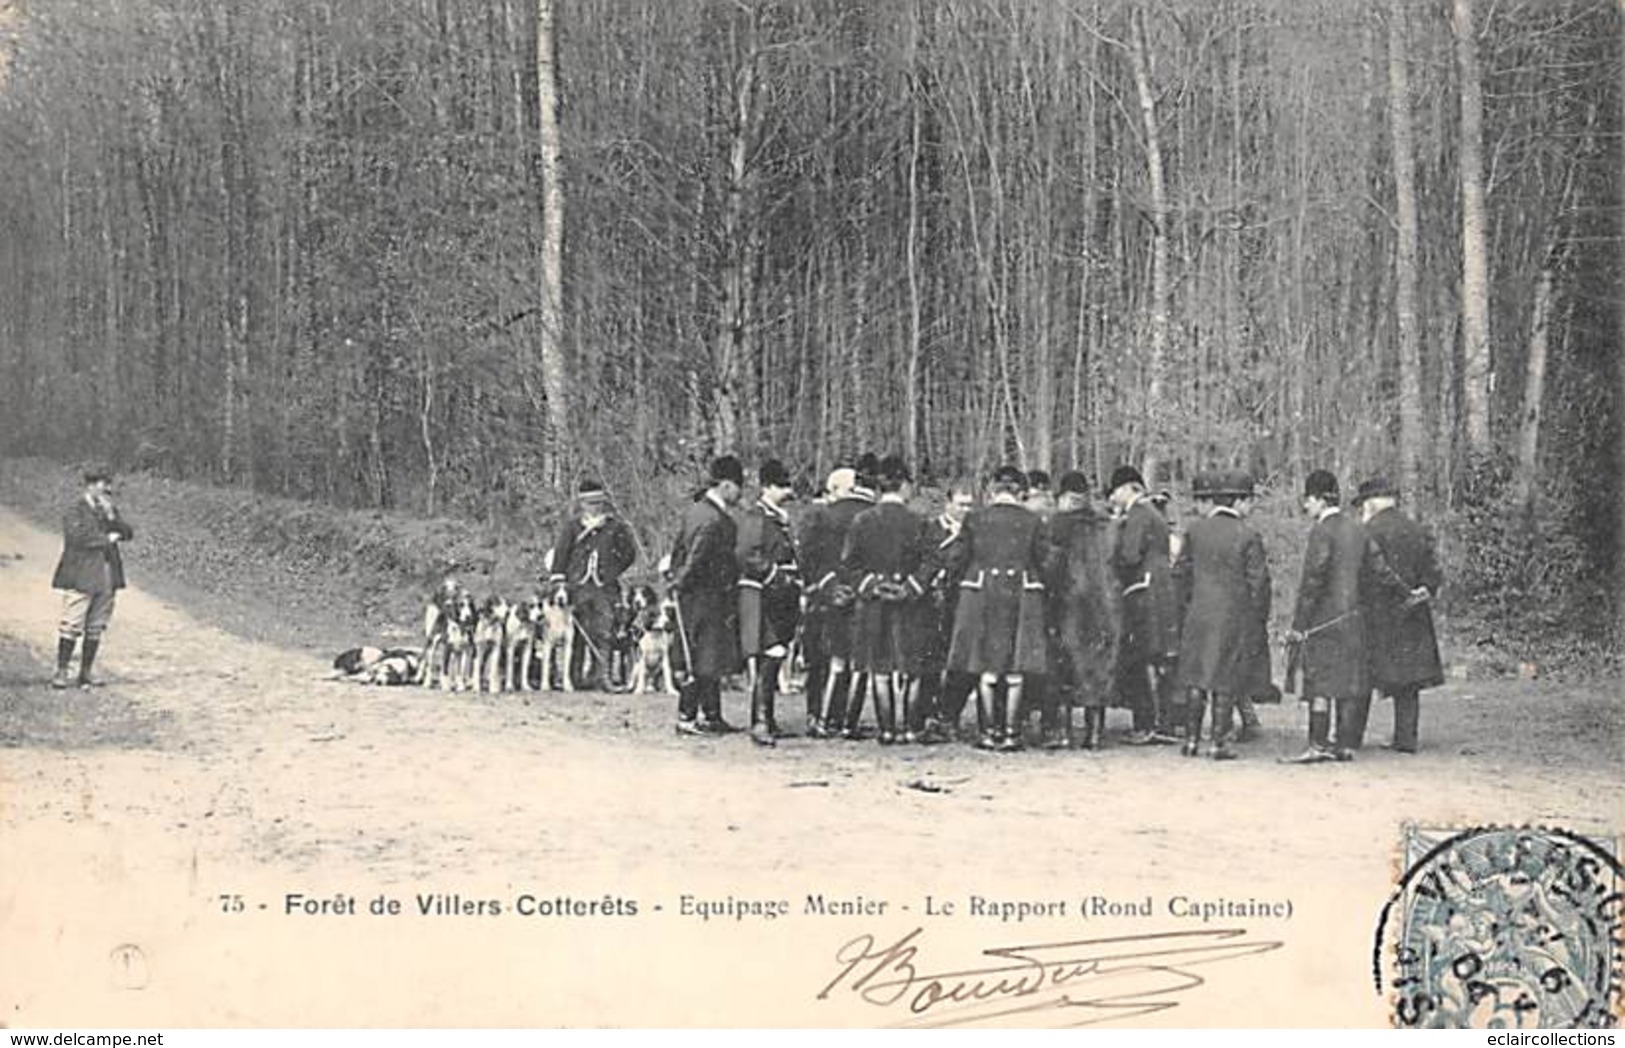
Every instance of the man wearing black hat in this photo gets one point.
(1150, 640)
(90, 573)
(1224, 582)
(943, 694)
(769, 595)
(884, 555)
(593, 549)
(999, 625)
(830, 596)
(705, 576)
(1402, 650)
(1083, 616)
(1327, 639)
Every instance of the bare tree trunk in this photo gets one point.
(1477, 371)
(911, 392)
(733, 346)
(1534, 387)
(555, 378)
(1405, 271)
(1161, 292)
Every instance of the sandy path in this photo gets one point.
(264, 774)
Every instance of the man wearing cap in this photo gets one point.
(769, 595)
(999, 624)
(884, 555)
(1327, 639)
(943, 694)
(90, 573)
(705, 577)
(1224, 582)
(830, 596)
(593, 548)
(1083, 616)
(1402, 650)
(1150, 640)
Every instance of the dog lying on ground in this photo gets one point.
(380, 666)
(556, 640)
(654, 622)
(490, 643)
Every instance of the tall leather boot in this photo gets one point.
(885, 709)
(908, 698)
(1352, 715)
(987, 721)
(1094, 727)
(1223, 727)
(1407, 718)
(833, 702)
(1015, 714)
(1195, 708)
(855, 695)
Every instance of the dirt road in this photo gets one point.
(212, 766)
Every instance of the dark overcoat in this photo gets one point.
(999, 624)
(942, 565)
(1328, 609)
(1084, 605)
(823, 540)
(593, 556)
(1224, 581)
(769, 579)
(1141, 562)
(705, 575)
(1402, 650)
(883, 557)
(90, 562)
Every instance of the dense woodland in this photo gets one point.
(448, 256)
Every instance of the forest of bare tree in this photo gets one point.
(448, 257)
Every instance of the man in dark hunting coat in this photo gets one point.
(769, 595)
(89, 574)
(1224, 582)
(1402, 650)
(705, 577)
(883, 557)
(1150, 640)
(830, 597)
(943, 694)
(593, 549)
(1083, 613)
(1327, 639)
(999, 624)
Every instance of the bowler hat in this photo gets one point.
(1124, 475)
(867, 466)
(1204, 483)
(591, 491)
(727, 468)
(1320, 484)
(97, 471)
(1010, 476)
(1376, 487)
(1038, 480)
(893, 468)
(1234, 483)
(773, 474)
(1074, 483)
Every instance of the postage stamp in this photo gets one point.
(1503, 928)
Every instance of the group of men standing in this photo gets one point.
(1038, 601)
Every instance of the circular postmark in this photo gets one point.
(129, 966)
(1507, 928)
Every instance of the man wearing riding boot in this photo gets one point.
(769, 595)
(1327, 639)
(593, 549)
(1150, 639)
(1082, 614)
(830, 595)
(1402, 651)
(90, 573)
(943, 694)
(884, 551)
(1224, 581)
(705, 577)
(999, 624)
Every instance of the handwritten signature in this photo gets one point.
(1097, 980)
